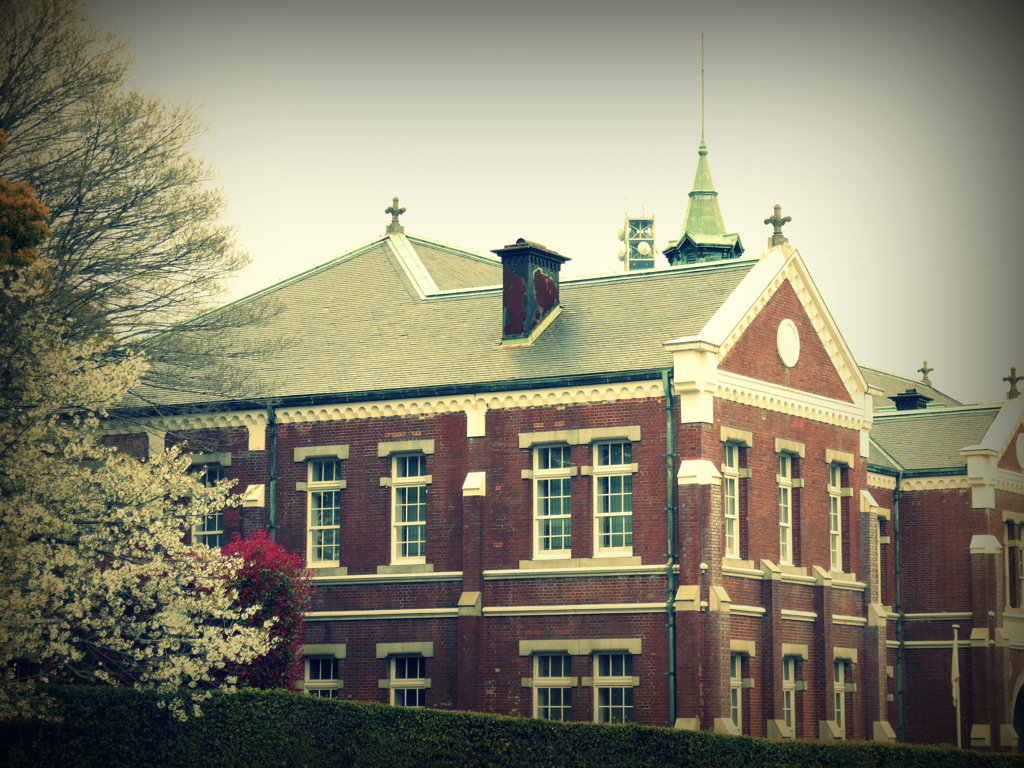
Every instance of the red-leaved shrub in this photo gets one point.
(277, 581)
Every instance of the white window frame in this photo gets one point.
(835, 517)
(1020, 566)
(789, 692)
(731, 499)
(403, 687)
(606, 474)
(209, 526)
(736, 690)
(839, 695)
(609, 686)
(315, 683)
(316, 485)
(543, 477)
(785, 482)
(401, 486)
(552, 693)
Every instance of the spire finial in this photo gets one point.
(1013, 378)
(702, 86)
(777, 220)
(924, 370)
(394, 227)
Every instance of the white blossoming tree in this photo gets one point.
(97, 582)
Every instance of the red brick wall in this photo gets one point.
(756, 355)
(1009, 458)
(135, 444)
(810, 503)
(246, 468)
(936, 528)
(476, 663)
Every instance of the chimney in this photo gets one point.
(530, 286)
(910, 401)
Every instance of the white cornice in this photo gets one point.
(794, 402)
(217, 420)
(526, 398)
(885, 482)
(371, 409)
(254, 421)
(1012, 482)
(939, 483)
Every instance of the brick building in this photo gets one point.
(655, 496)
(952, 477)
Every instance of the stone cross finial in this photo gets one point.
(924, 370)
(1013, 378)
(394, 227)
(777, 220)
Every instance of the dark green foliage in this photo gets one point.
(112, 727)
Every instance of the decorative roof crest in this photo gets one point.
(394, 228)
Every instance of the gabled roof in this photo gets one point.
(893, 384)
(930, 439)
(402, 314)
(782, 263)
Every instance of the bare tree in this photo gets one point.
(139, 249)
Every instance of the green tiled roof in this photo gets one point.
(704, 224)
(930, 439)
(358, 327)
(892, 384)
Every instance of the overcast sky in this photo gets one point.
(889, 131)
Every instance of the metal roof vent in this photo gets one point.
(910, 400)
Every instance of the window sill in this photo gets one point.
(327, 570)
(735, 562)
(405, 568)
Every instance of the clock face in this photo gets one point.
(788, 341)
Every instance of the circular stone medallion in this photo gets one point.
(1020, 450)
(788, 341)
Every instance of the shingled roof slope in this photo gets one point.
(356, 328)
(878, 458)
(892, 384)
(932, 439)
(452, 268)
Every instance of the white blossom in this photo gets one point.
(96, 580)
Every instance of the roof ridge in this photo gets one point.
(642, 274)
(412, 264)
(454, 249)
(947, 410)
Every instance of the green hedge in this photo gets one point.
(111, 727)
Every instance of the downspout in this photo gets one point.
(272, 504)
(900, 618)
(671, 557)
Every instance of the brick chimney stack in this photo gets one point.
(530, 286)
